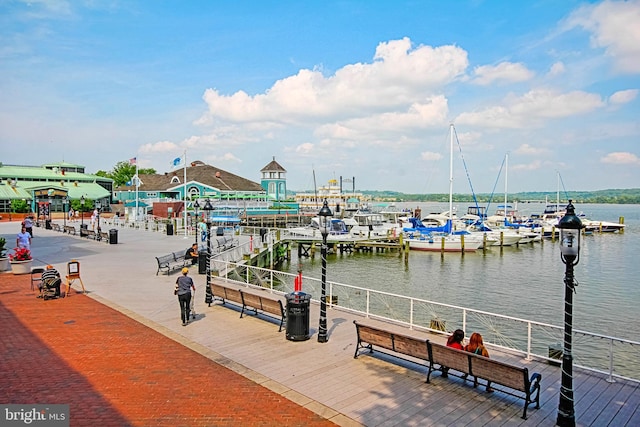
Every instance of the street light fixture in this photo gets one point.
(196, 206)
(570, 227)
(208, 295)
(324, 214)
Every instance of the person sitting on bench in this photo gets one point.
(192, 254)
(51, 280)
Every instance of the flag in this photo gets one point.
(132, 161)
(177, 162)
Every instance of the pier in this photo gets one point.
(323, 378)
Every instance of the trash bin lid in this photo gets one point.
(298, 296)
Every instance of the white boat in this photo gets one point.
(499, 237)
(338, 230)
(380, 222)
(595, 226)
(444, 243)
(449, 242)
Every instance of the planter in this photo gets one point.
(21, 267)
(4, 264)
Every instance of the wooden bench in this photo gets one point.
(69, 229)
(269, 304)
(250, 301)
(103, 236)
(89, 234)
(508, 376)
(56, 227)
(225, 294)
(369, 335)
(170, 262)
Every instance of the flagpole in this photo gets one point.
(184, 193)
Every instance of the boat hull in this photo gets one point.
(443, 244)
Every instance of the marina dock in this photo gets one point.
(373, 390)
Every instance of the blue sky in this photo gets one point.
(363, 89)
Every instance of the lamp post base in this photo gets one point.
(566, 420)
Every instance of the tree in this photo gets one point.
(123, 172)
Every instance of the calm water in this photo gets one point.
(524, 281)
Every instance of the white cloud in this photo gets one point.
(621, 158)
(398, 75)
(532, 109)
(430, 156)
(557, 69)
(504, 72)
(158, 147)
(531, 166)
(526, 149)
(614, 27)
(623, 96)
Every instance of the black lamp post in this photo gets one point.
(196, 206)
(82, 214)
(98, 206)
(208, 299)
(324, 214)
(570, 227)
(65, 200)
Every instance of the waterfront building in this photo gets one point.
(202, 181)
(50, 184)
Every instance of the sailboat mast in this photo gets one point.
(558, 193)
(451, 172)
(506, 173)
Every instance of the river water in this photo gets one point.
(524, 281)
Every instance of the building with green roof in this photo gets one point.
(53, 184)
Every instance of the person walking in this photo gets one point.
(23, 239)
(184, 285)
(28, 224)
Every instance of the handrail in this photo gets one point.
(613, 356)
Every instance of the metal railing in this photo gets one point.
(612, 356)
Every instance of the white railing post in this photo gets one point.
(610, 379)
(411, 313)
(529, 341)
(464, 319)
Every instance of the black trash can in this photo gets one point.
(202, 262)
(47, 224)
(169, 229)
(298, 316)
(113, 236)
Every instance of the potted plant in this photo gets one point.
(21, 261)
(4, 261)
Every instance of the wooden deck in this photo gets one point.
(322, 377)
(381, 390)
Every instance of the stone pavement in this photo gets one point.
(114, 368)
(115, 371)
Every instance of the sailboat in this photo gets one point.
(443, 242)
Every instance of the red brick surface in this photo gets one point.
(114, 371)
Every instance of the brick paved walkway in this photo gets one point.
(114, 371)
